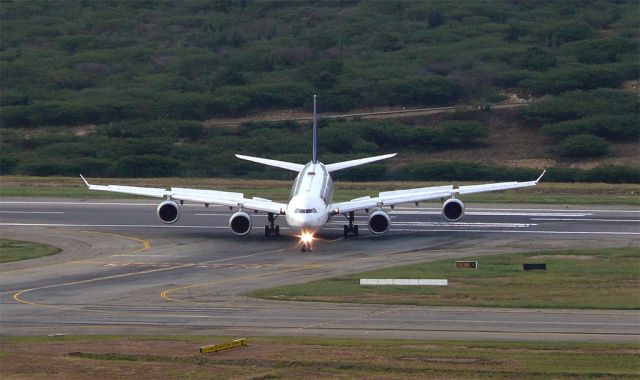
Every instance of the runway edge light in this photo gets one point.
(223, 346)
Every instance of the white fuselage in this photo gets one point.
(311, 194)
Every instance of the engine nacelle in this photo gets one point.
(453, 210)
(168, 212)
(240, 223)
(379, 222)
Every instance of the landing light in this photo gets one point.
(306, 237)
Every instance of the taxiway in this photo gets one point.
(122, 271)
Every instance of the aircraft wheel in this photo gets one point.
(266, 231)
(277, 230)
(346, 231)
(355, 230)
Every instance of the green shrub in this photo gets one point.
(582, 146)
(606, 50)
(459, 134)
(418, 91)
(584, 77)
(535, 58)
(578, 104)
(610, 127)
(149, 165)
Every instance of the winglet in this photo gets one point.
(539, 178)
(85, 181)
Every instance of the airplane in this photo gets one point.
(310, 206)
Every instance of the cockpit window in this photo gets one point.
(305, 211)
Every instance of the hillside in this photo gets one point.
(144, 88)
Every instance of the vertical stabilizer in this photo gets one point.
(315, 131)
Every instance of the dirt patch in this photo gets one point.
(632, 86)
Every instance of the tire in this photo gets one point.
(355, 230)
(346, 231)
(277, 230)
(266, 231)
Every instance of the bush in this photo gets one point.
(578, 104)
(610, 127)
(582, 146)
(459, 134)
(145, 166)
(535, 58)
(606, 50)
(418, 91)
(583, 77)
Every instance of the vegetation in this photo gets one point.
(594, 279)
(14, 250)
(152, 357)
(126, 88)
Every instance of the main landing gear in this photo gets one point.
(306, 247)
(271, 229)
(350, 230)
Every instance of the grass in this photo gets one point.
(316, 357)
(14, 250)
(549, 193)
(594, 279)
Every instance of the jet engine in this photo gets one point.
(379, 222)
(453, 210)
(168, 212)
(240, 223)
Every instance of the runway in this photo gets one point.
(123, 272)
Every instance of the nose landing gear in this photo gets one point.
(271, 229)
(350, 229)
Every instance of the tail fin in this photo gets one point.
(315, 131)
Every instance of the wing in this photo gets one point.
(224, 198)
(391, 198)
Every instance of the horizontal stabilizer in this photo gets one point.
(276, 163)
(361, 161)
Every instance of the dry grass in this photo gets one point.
(305, 357)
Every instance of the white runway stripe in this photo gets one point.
(483, 213)
(287, 228)
(451, 224)
(588, 220)
(31, 212)
(521, 209)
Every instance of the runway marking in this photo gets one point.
(145, 245)
(484, 213)
(463, 224)
(116, 225)
(31, 212)
(523, 232)
(195, 265)
(288, 228)
(523, 209)
(588, 220)
(128, 255)
(165, 294)
(16, 296)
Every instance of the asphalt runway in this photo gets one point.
(124, 272)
